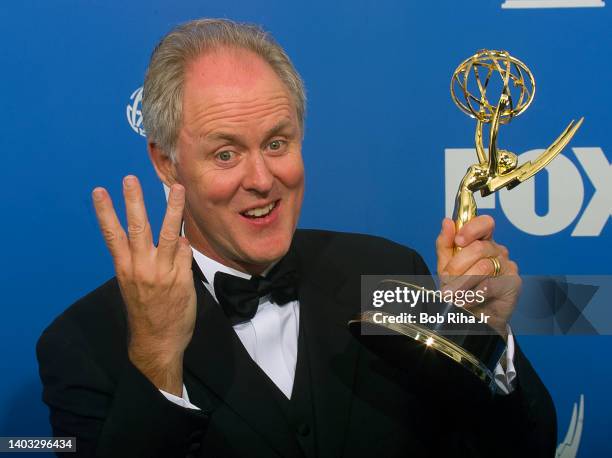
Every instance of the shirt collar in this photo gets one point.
(210, 267)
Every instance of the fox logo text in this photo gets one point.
(566, 192)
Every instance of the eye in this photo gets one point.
(277, 145)
(225, 156)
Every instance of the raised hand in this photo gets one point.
(156, 282)
(472, 268)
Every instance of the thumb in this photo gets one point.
(445, 244)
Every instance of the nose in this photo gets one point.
(258, 177)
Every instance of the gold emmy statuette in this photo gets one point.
(478, 353)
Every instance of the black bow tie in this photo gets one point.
(239, 297)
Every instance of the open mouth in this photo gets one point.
(260, 212)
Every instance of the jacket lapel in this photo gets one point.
(333, 358)
(217, 358)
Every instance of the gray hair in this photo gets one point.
(162, 100)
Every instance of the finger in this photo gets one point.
(472, 254)
(445, 244)
(184, 255)
(499, 297)
(479, 284)
(464, 282)
(113, 233)
(139, 230)
(171, 227)
(495, 288)
(479, 228)
(486, 268)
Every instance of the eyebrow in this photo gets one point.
(280, 127)
(233, 138)
(223, 136)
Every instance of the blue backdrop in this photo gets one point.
(381, 138)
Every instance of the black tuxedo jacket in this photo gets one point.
(355, 404)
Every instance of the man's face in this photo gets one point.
(239, 159)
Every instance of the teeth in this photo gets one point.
(258, 212)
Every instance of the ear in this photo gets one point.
(164, 167)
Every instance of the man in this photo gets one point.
(182, 355)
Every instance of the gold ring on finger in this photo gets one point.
(496, 266)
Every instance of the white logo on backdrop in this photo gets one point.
(134, 113)
(569, 447)
(565, 192)
(519, 4)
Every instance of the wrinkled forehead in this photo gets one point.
(232, 85)
(233, 74)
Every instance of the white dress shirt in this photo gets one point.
(271, 337)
